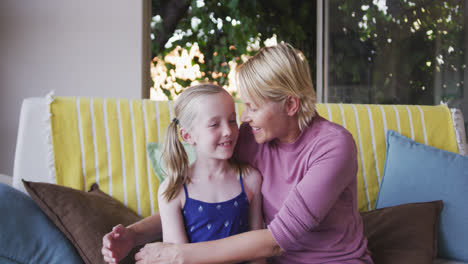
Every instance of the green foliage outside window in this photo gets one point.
(228, 31)
(386, 51)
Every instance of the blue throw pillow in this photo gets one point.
(415, 172)
(27, 235)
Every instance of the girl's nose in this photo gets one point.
(227, 131)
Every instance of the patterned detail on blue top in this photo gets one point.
(210, 221)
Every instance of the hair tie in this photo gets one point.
(175, 120)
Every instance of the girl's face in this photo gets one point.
(214, 131)
(268, 121)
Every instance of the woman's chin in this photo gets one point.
(260, 139)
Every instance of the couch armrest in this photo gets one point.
(31, 155)
(459, 125)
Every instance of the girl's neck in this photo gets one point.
(210, 168)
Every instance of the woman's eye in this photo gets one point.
(232, 121)
(214, 125)
(251, 109)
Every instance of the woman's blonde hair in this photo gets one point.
(275, 73)
(174, 156)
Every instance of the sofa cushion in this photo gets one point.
(27, 235)
(403, 234)
(415, 172)
(104, 140)
(84, 217)
(368, 124)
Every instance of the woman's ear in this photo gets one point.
(185, 135)
(291, 105)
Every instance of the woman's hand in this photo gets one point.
(154, 253)
(117, 244)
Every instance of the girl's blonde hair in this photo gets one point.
(275, 73)
(174, 157)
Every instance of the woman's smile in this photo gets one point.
(256, 130)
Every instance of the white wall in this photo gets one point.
(77, 48)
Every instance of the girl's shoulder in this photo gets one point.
(178, 199)
(163, 187)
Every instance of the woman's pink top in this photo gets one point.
(310, 193)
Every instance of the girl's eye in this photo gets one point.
(214, 125)
(233, 121)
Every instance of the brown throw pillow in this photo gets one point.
(403, 234)
(84, 217)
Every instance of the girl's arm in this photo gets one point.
(255, 244)
(171, 217)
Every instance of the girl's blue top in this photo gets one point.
(210, 221)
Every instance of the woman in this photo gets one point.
(309, 169)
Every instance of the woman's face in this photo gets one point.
(268, 121)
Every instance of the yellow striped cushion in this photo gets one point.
(104, 141)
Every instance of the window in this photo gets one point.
(393, 52)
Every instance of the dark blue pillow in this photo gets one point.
(27, 235)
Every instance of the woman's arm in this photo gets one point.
(249, 245)
(253, 186)
(121, 240)
(147, 230)
(118, 243)
(171, 217)
(331, 170)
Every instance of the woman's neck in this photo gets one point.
(291, 131)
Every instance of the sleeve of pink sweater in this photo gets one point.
(332, 167)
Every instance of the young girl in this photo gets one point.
(213, 198)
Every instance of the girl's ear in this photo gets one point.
(186, 136)
(291, 105)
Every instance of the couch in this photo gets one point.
(77, 142)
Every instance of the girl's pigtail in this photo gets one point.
(175, 161)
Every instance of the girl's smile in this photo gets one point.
(227, 144)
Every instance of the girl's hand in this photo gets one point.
(154, 253)
(117, 244)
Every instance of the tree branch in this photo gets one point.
(171, 12)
